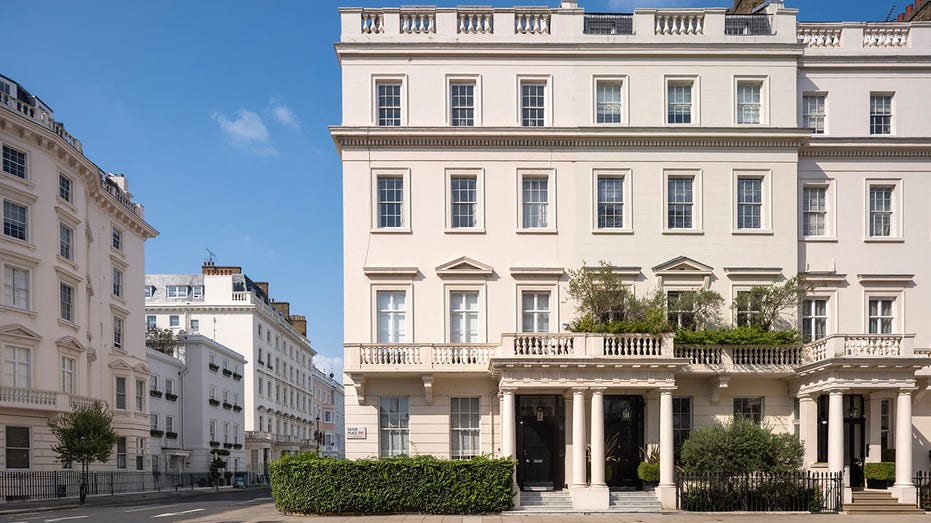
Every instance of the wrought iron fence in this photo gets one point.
(760, 492)
(608, 24)
(747, 25)
(40, 485)
(923, 487)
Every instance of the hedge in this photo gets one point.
(309, 484)
(737, 336)
(881, 471)
(648, 472)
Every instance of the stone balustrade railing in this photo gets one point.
(420, 357)
(873, 37)
(418, 21)
(885, 36)
(819, 35)
(861, 346)
(742, 358)
(44, 400)
(679, 23)
(39, 116)
(532, 21)
(475, 21)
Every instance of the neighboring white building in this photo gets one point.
(486, 151)
(225, 305)
(72, 258)
(328, 414)
(196, 406)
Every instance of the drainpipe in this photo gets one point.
(184, 370)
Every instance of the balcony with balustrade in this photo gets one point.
(42, 400)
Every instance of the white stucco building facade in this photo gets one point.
(225, 305)
(486, 151)
(72, 258)
(329, 414)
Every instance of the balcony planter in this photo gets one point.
(171, 435)
(155, 393)
(227, 445)
(227, 372)
(237, 376)
(214, 444)
(220, 452)
(237, 446)
(213, 367)
(227, 405)
(157, 433)
(237, 408)
(213, 402)
(171, 397)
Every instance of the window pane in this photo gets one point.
(390, 201)
(464, 201)
(14, 162)
(679, 203)
(462, 104)
(391, 316)
(880, 114)
(535, 196)
(15, 220)
(749, 203)
(814, 211)
(532, 98)
(880, 211)
(535, 311)
(748, 103)
(389, 104)
(16, 287)
(813, 113)
(610, 203)
(608, 104)
(679, 100)
(463, 317)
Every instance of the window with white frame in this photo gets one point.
(117, 239)
(679, 310)
(462, 103)
(174, 321)
(169, 386)
(150, 322)
(117, 282)
(16, 287)
(679, 101)
(881, 315)
(15, 220)
(121, 452)
(18, 448)
(609, 101)
(392, 316)
(176, 291)
(748, 305)
(66, 302)
(197, 291)
(17, 367)
(65, 241)
(680, 202)
(14, 162)
(881, 211)
(465, 428)
(463, 201)
(533, 103)
(535, 202)
(140, 395)
(885, 424)
(814, 210)
(117, 332)
(681, 420)
(153, 382)
(814, 318)
(120, 393)
(610, 201)
(153, 421)
(535, 311)
(169, 423)
(813, 113)
(195, 325)
(390, 202)
(394, 426)
(749, 202)
(148, 291)
(880, 113)
(749, 102)
(328, 416)
(65, 188)
(67, 374)
(463, 317)
(388, 100)
(749, 408)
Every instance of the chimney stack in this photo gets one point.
(211, 269)
(909, 9)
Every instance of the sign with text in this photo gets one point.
(355, 432)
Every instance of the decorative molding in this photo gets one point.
(753, 272)
(15, 330)
(624, 272)
(407, 272)
(70, 343)
(825, 278)
(464, 266)
(537, 272)
(899, 279)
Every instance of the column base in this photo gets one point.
(905, 493)
(595, 498)
(666, 494)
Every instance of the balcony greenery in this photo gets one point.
(155, 393)
(227, 405)
(218, 452)
(171, 397)
(214, 444)
(162, 340)
(155, 433)
(213, 367)
(171, 435)
(213, 402)
(237, 376)
(310, 484)
(227, 372)
(737, 336)
(237, 408)
(237, 446)
(227, 445)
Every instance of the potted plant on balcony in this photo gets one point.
(227, 372)
(213, 367)
(227, 405)
(237, 376)
(879, 475)
(155, 393)
(220, 452)
(214, 444)
(213, 402)
(171, 397)
(237, 446)
(157, 433)
(171, 435)
(237, 408)
(648, 470)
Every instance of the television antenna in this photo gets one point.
(889, 14)
(211, 255)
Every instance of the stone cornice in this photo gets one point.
(867, 147)
(567, 137)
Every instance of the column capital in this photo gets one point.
(907, 390)
(579, 390)
(667, 390)
(806, 396)
(598, 390)
(507, 390)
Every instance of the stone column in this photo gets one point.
(666, 446)
(903, 444)
(598, 438)
(836, 431)
(508, 428)
(578, 437)
(808, 427)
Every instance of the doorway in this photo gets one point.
(540, 442)
(624, 425)
(854, 439)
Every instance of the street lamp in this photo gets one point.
(317, 436)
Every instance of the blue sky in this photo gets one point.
(217, 111)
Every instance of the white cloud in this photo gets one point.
(247, 131)
(330, 364)
(285, 115)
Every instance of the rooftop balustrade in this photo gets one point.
(43, 400)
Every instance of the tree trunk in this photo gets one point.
(83, 488)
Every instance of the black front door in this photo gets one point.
(623, 440)
(854, 440)
(539, 422)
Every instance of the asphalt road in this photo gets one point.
(152, 511)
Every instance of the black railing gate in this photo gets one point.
(760, 492)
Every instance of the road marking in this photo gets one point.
(167, 514)
(64, 519)
(254, 500)
(157, 507)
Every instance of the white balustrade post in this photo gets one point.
(508, 428)
(598, 438)
(578, 437)
(903, 487)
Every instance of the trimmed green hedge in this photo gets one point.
(882, 471)
(737, 336)
(309, 484)
(648, 472)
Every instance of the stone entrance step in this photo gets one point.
(545, 502)
(635, 502)
(878, 502)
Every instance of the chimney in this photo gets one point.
(299, 323)
(569, 4)
(283, 307)
(212, 269)
(262, 285)
(909, 9)
(901, 17)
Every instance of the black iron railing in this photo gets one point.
(747, 25)
(923, 487)
(760, 492)
(39, 485)
(608, 24)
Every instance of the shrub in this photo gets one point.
(737, 336)
(740, 446)
(310, 484)
(882, 471)
(648, 472)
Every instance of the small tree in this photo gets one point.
(162, 340)
(600, 293)
(763, 306)
(701, 309)
(739, 446)
(84, 436)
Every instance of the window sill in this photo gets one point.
(27, 312)
(818, 239)
(612, 231)
(70, 325)
(888, 239)
(612, 124)
(464, 230)
(68, 262)
(25, 182)
(398, 230)
(537, 231)
(697, 232)
(752, 232)
(119, 299)
(67, 205)
(21, 243)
